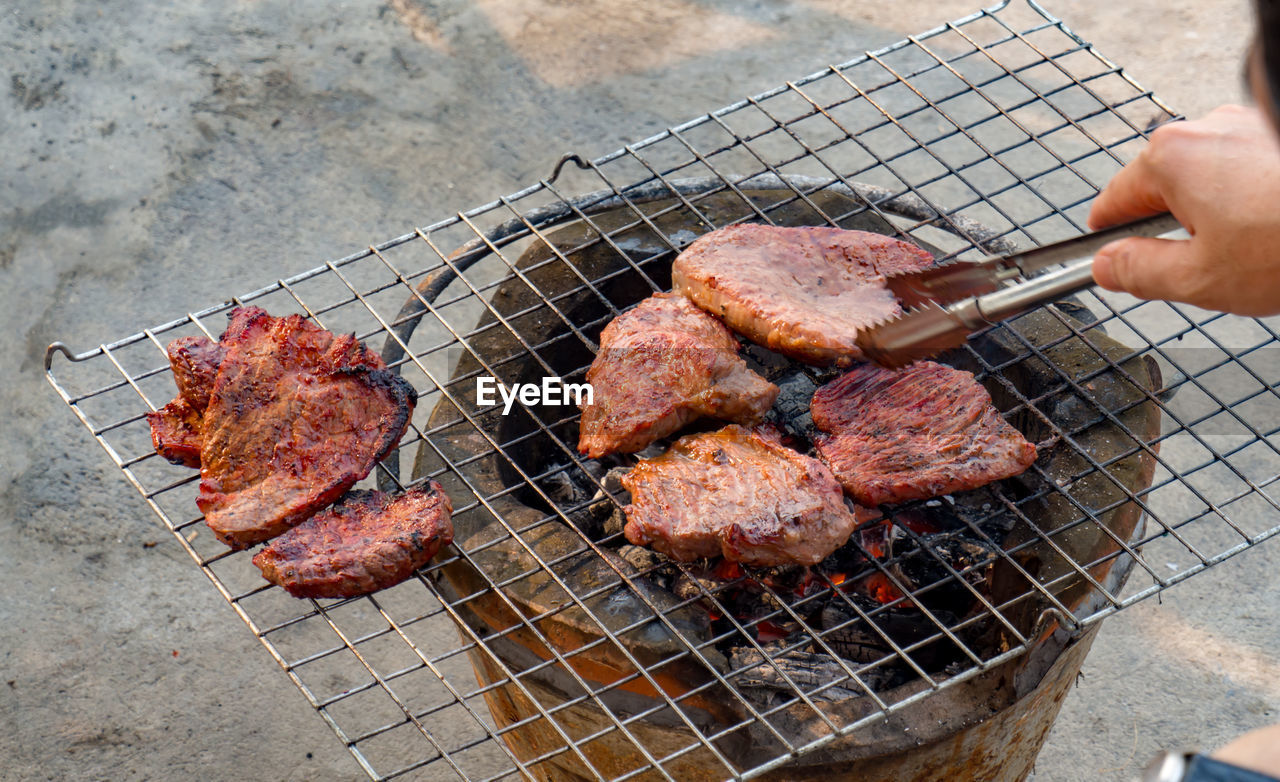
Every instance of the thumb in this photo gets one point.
(1148, 268)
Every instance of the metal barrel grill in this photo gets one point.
(943, 638)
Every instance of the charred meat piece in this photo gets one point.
(922, 431)
(803, 292)
(176, 427)
(660, 366)
(175, 432)
(739, 493)
(195, 361)
(368, 541)
(297, 416)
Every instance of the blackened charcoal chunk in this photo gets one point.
(791, 409)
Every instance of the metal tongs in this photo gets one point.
(944, 304)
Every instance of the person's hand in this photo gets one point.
(1220, 177)
(1258, 750)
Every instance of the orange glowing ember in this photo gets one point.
(874, 538)
(768, 631)
(917, 523)
(728, 571)
(809, 583)
(837, 578)
(881, 588)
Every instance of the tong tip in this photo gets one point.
(943, 283)
(917, 333)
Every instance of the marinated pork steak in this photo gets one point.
(660, 366)
(195, 361)
(175, 432)
(739, 493)
(922, 431)
(368, 541)
(297, 415)
(803, 292)
(176, 427)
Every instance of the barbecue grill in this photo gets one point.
(944, 636)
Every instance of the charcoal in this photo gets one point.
(686, 585)
(641, 558)
(791, 408)
(773, 366)
(561, 487)
(612, 483)
(806, 669)
(577, 493)
(727, 582)
(853, 638)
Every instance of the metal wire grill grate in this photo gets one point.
(992, 131)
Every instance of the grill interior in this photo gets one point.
(989, 132)
(762, 662)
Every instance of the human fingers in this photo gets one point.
(1150, 269)
(1133, 192)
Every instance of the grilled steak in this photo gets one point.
(297, 415)
(660, 366)
(368, 541)
(175, 432)
(740, 493)
(195, 361)
(922, 431)
(803, 292)
(176, 427)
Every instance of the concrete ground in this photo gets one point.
(159, 157)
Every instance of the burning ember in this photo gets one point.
(766, 603)
(894, 565)
(901, 574)
(881, 588)
(877, 540)
(915, 580)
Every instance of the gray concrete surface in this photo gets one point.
(159, 157)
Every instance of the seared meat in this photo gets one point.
(660, 366)
(803, 292)
(297, 415)
(175, 432)
(176, 427)
(368, 541)
(922, 431)
(738, 492)
(195, 361)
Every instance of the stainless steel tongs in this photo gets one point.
(944, 304)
